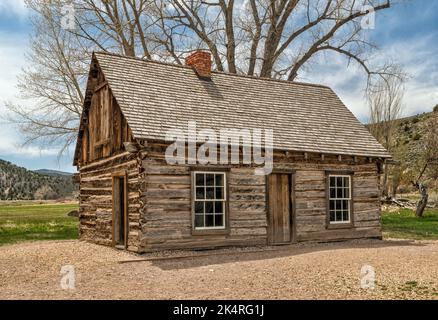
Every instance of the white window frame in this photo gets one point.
(224, 200)
(349, 199)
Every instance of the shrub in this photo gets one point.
(417, 136)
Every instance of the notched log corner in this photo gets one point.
(76, 178)
(131, 147)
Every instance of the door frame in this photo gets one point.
(291, 173)
(115, 176)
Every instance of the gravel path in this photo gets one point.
(404, 270)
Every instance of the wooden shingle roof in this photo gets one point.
(155, 97)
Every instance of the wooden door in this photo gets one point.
(120, 211)
(280, 208)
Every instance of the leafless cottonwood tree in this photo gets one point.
(52, 82)
(267, 38)
(58, 61)
(386, 104)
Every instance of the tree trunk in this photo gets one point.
(396, 182)
(395, 190)
(423, 201)
(385, 191)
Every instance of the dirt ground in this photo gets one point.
(403, 270)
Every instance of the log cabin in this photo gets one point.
(323, 184)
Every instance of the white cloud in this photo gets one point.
(12, 48)
(418, 57)
(13, 7)
(11, 147)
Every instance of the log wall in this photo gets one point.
(95, 199)
(311, 196)
(101, 155)
(166, 217)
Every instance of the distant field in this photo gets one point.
(33, 220)
(404, 224)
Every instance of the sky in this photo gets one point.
(407, 33)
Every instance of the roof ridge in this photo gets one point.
(215, 71)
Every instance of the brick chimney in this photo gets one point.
(200, 61)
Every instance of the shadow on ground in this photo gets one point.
(195, 259)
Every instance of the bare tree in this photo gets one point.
(59, 57)
(386, 104)
(267, 38)
(276, 38)
(52, 83)
(114, 25)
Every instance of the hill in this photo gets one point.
(53, 173)
(17, 183)
(411, 130)
(410, 136)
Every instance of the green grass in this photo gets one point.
(403, 224)
(29, 221)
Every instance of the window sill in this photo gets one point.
(206, 232)
(332, 226)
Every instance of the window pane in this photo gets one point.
(199, 207)
(199, 221)
(200, 179)
(209, 220)
(339, 193)
(332, 182)
(332, 193)
(218, 207)
(338, 215)
(200, 193)
(332, 205)
(346, 182)
(219, 180)
(210, 193)
(209, 179)
(332, 216)
(344, 204)
(345, 215)
(220, 193)
(347, 192)
(339, 182)
(209, 207)
(219, 220)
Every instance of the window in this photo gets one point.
(209, 200)
(340, 199)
